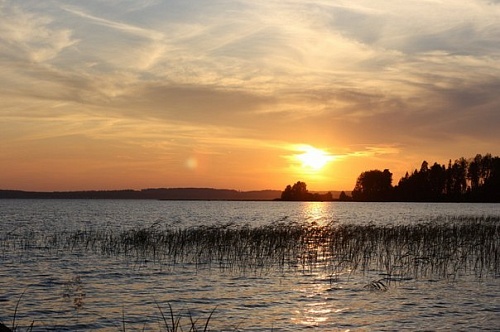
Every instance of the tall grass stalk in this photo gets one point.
(171, 323)
(445, 248)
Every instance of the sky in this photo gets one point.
(128, 94)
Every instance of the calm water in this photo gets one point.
(74, 290)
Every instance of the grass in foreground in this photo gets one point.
(171, 322)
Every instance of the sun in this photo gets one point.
(313, 158)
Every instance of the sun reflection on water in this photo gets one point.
(319, 309)
(315, 313)
(317, 213)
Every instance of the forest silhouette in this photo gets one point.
(299, 192)
(465, 180)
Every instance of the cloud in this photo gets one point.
(193, 103)
(119, 26)
(419, 26)
(415, 75)
(27, 36)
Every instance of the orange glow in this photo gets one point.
(313, 158)
(97, 99)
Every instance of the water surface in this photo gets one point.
(78, 290)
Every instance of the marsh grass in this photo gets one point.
(14, 326)
(172, 321)
(444, 248)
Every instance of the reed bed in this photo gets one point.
(443, 248)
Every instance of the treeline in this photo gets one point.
(154, 193)
(465, 180)
(299, 192)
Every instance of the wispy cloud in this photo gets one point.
(404, 77)
(26, 36)
(119, 26)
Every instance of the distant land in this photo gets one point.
(158, 193)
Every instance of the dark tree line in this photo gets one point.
(373, 185)
(299, 192)
(465, 180)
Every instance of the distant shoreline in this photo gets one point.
(181, 194)
(153, 194)
(185, 194)
(166, 194)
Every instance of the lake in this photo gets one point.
(53, 252)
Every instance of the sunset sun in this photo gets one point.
(314, 158)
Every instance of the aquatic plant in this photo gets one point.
(5, 328)
(172, 321)
(376, 285)
(444, 248)
(175, 320)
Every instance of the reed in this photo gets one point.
(173, 321)
(445, 247)
(442, 248)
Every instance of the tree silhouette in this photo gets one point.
(464, 180)
(471, 179)
(373, 185)
(343, 197)
(297, 192)
(437, 182)
(286, 195)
